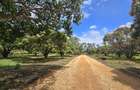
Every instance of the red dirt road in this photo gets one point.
(85, 73)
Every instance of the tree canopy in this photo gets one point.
(40, 19)
(136, 13)
(121, 42)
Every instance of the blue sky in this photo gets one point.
(102, 17)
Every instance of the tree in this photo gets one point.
(41, 42)
(28, 43)
(121, 42)
(105, 49)
(87, 48)
(37, 17)
(46, 41)
(60, 40)
(135, 12)
(73, 45)
(9, 32)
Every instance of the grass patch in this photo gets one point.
(7, 63)
(129, 67)
(137, 57)
(31, 69)
(116, 62)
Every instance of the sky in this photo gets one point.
(102, 17)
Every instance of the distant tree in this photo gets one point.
(73, 45)
(87, 48)
(121, 42)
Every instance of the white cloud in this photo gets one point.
(128, 24)
(93, 27)
(96, 36)
(87, 2)
(61, 30)
(87, 8)
(93, 36)
(86, 14)
(104, 30)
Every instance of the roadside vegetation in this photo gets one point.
(35, 39)
(124, 42)
(20, 71)
(121, 48)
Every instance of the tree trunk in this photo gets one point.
(5, 52)
(105, 54)
(46, 53)
(130, 52)
(130, 55)
(35, 54)
(61, 53)
(118, 54)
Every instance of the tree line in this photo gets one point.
(121, 43)
(125, 40)
(38, 26)
(45, 26)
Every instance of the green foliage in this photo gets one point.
(1, 48)
(121, 42)
(9, 32)
(73, 45)
(105, 50)
(7, 63)
(34, 25)
(87, 48)
(136, 13)
(60, 41)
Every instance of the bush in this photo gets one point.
(17, 66)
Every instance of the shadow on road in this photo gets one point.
(36, 59)
(128, 76)
(19, 78)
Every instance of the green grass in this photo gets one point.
(7, 63)
(31, 68)
(137, 57)
(14, 61)
(119, 63)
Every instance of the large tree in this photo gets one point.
(9, 32)
(135, 12)
(121, 42)
(60, 40)
(36, 16)
(56, 14)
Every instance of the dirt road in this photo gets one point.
(84, 73)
